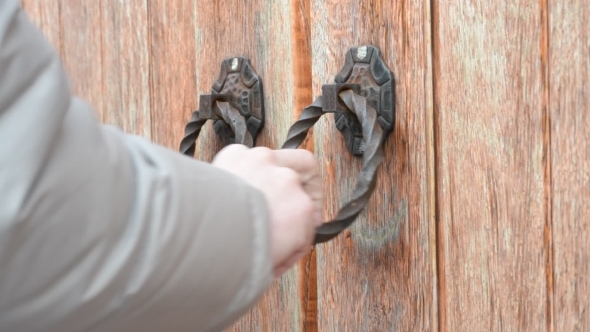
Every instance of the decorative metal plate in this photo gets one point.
(238, 79)
(364, 66)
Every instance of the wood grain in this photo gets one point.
(490, 175)
(74, 29)
(261, 31)
(81, 46)
(569, 67)
(380, 275)
(125, 37)
(303, 96)
(480, 217)
(105, 53)
(172, 54)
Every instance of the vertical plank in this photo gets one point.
(126, 66)
(185, 61)
(74, 29)
(489, 132)
(569, 68)
(303, 93)
(81, 46)
(79, 32)
(172, 50)
(380, 275)
(260, 30)
(547, 195)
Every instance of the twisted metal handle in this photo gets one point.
(372, 157)
(237, 122)
(226, 113)
(191, 132)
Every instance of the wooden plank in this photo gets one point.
(172, 52)
(81, 46)
(45, 15)
(74, 29)
(185, 61)
(126, 66)
(85, 35)
(490, 171)
(381, 274)
(303, 94)
(569, 67)
(261, 30)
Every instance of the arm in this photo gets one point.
(107, 232)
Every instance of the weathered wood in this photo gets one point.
(549, 294)
(261, 31)
(115, 54)
(380, 275)
(489, 132)
(81, 46)
(302, 90)
(569, 68)
(509, 121)
(74, 29)
(143, 65)
(126, 66)
(172, 53)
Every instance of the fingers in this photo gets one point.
(304, 163)
(229, 151)
(302, 203)
(291, 183)
(301, 161)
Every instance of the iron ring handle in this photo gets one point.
(372, 156)
(223, 111)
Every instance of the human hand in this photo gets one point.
(292, 185)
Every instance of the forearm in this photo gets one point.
(103, 230)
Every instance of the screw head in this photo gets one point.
(361, 52)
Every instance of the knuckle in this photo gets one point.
(263, 155)
(287, 176)
(230, 151)
(308, 159)
(236, 148)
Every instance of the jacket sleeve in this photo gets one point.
(103, 231)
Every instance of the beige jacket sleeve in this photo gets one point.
(103, 231)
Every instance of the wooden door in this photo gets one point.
(481, 215)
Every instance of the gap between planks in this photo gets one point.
(434, 154)
(303, 94)
(547, 180)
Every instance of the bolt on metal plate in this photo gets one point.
(364, 66)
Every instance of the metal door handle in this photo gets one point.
(235, 105)
(364, 105)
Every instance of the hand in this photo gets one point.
(292, 185)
